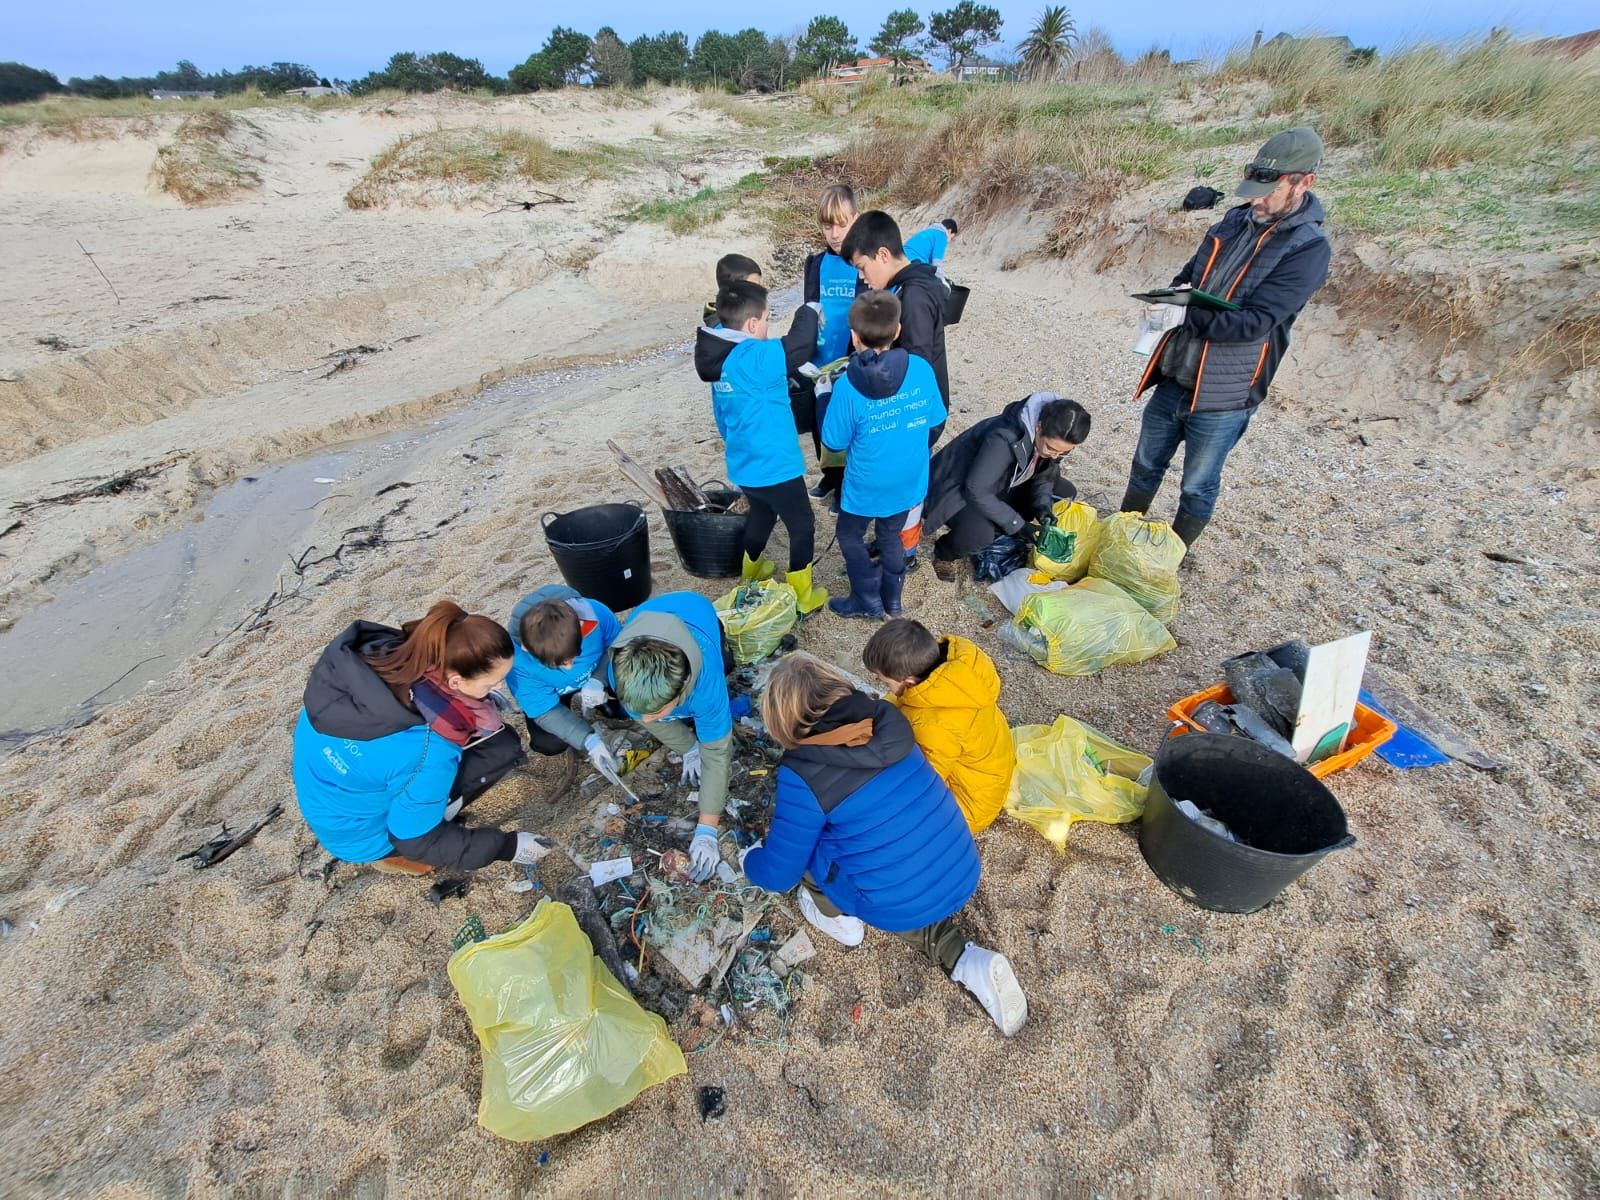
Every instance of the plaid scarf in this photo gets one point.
(454, 717)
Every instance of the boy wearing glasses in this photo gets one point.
(1268, 257)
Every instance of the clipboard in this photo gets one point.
(1183, 296)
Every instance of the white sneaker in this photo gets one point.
(847, 931)
(453, 808)
(989, 977)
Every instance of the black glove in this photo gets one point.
(1031, 533)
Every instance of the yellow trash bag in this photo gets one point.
(755, 616)
(1082, 629)
(1070, 772)
(1141, 556)
(563, 1042)
(1077, 533)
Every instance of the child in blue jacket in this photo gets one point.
(749, 378)
(930, 246)
(830, 282)
(560, 638)
(870, 833)
(884, 413)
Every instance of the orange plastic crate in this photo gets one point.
(1372, 729)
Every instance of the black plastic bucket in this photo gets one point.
(603, 551)
(1284, 817)
(956, 303)
(709, 544)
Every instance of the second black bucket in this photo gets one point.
(603, 551)
(709, 544)
(1285, 819)
(956, 303)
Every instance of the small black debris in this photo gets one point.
(712, 1103)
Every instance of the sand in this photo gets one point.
(1414, 1017)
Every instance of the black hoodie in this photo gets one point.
(922, 300)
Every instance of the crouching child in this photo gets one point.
(870, 833)
(949, 691)
(560, 640)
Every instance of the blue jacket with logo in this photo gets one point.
(749, 380)
(831, 283)
(861, 811)
(885, 414)
(371, 779)
(538, 689)
(689, 621)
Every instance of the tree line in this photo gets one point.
(749, 60)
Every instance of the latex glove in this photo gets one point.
(690, 776)
(703, 856)
(594, 746)
(531, 847)
(592, 695)
(816, 307)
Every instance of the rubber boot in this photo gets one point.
(809, 596)
(890, 590)
(1188, 527)
(1133, 500)
(865, 599)
(755, 570)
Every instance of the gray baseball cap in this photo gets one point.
(1292, 152)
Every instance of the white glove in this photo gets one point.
(453, 809)
(703, 856)
(594, 746)
(531, 847)
(816, 307)
(592, 695)
(690, 776)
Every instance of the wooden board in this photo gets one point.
(1443, 735)
(640, 477)
(1328, 696)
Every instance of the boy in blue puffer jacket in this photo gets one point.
(560, 639)
(885, 414)
(749, 378)
(870, 833)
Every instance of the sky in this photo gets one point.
(351, 37)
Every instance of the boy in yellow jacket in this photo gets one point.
(949, 691)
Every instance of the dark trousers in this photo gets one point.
(786, 501)
(942, 943)
(969, 531)
(853, 543)
(486, 763)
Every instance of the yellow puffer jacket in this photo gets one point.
(955, 714)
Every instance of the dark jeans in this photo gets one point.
(486, 763)
(853, 543)
(1206, 436)
(942, 943)
(969, 531)
(787, 500)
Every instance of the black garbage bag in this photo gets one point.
(1260, 684)
(999, 558)
(1201, 197)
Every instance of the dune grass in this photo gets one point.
(83, 117)
(474, 156)
(202, 164)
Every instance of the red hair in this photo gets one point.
(447, 640)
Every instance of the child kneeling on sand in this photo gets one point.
(949, 691)
(870, 833)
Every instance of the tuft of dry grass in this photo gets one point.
(202, 165)
(81, 116)
(469, 158)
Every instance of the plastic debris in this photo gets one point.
(612, 868)
(797, 949)
(446, 889)
(470, 931)
(1204, 819)
(713, 1103)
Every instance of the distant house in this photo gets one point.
(1330, 45)
(1578, 46)
(312, 92)
(862, 68)
(158, 94)
(983, 69)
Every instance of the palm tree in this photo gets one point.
(1048, 46)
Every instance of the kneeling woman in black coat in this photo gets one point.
(1001, 474)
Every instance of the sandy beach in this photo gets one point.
(1416, 1016)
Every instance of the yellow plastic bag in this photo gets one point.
(1141, 556)
(563, 1042)
(1070, 772)
(1080, 522)
(755, 616)
(1082, 629)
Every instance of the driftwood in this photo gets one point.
(638, 475)
(528, 205)
(686, 495)
(115, 485)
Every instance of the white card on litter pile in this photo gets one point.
(1328, 695)
(611, 868)
(796, 950)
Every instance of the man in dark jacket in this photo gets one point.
(1000, 474)
(1269, 257)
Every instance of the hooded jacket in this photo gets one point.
(539, 689)
(955, 715)
(986, 461)
(885, 414)
(749, 380)
(371, 779)
(860, 810)
(922, 300)
(688, 621)
(1240, 351)
(831, 284)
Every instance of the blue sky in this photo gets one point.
(349, 38)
